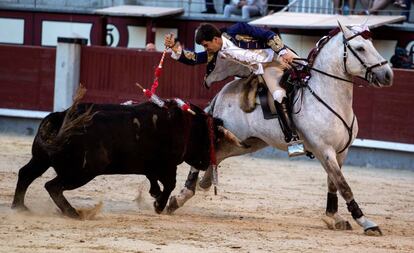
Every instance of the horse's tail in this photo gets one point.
(71, 122)
(210, 108)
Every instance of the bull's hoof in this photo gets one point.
(20, 207)
(72, 213)
(172, 206)
(157, 208)
(374, 231)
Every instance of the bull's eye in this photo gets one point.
(360, 49)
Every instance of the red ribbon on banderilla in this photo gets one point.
(150, 94)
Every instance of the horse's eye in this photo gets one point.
(360, 49)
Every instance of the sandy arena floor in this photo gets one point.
(263, 206)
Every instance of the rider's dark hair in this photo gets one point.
(207, 32)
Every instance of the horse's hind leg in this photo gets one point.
(186, 193)
(27, 174)
(227, 149)
(207, 180)
(331, 165)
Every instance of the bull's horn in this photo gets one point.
(232, 137)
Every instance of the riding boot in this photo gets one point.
(295, 146)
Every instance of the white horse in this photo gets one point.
(325, 120)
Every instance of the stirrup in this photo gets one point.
(296, 148)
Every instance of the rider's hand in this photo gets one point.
(288, 57)
(169, 40)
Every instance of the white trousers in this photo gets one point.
(273, 72)
(246, 11)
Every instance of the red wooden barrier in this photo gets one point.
(110, 76)
(27, 76)
(387, 114)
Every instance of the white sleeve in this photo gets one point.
(176, 55)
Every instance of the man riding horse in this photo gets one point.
(261, 50)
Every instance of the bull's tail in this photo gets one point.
(74, 123)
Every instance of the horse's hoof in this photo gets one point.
(374, 231)
(172, 206)
(343, 225)
(333, 224)
(204, 185)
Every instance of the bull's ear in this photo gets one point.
(347, 32)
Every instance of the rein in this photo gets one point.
(318, 70)
(348, 128)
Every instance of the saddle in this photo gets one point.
(255, 92)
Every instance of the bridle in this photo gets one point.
(369, 75)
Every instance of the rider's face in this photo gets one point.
(212, 46)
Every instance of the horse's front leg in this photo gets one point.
(330, 164)
(186, 193)
(332, 218)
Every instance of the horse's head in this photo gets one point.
(225, 68)
(361, 59)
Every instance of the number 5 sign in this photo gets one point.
(112, 35)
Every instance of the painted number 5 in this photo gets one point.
(112, 35)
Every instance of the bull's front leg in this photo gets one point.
(168, 180)
(154, 190)
(330, 164)
(186, 193)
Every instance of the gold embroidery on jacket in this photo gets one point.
(276, 43)
(244, 38)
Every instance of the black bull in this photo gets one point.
(90, 140)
